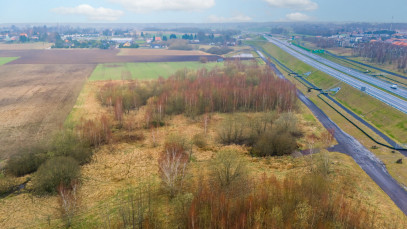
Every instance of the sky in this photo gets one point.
(201, 11)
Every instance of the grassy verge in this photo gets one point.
(5, 60)
(144, 71)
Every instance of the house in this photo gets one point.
(127, 44)
(158, 39)
(156, 46)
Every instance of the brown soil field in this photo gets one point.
(26, 46)
(95, 56)
(159, 52)
(35, 100)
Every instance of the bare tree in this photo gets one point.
(68, 199)
(172, 168)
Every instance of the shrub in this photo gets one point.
(54, 172)
(199, 140)
(287, 122)
(274, 143)
(180, 45)
(175, 140)
(96, 131)
(26, 161)
(219, 51)
(203, 59)
(68, 144)
(228, 168)
(233, 130)
(399, 161)
(7, 185)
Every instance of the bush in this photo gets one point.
(7, 185)
(54, 172)
(274, 143)
(287, 122)
(228, 168)
(180, 45)
(175, 140)
(67, 144)
(199, 140)
(233, 130)
(219, 51)
(203, 59)
(27, 161)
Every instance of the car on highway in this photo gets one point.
(394, 86)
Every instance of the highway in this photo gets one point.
(402, 92)
(379, 94)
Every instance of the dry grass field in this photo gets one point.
(124, 164)
(35, 100)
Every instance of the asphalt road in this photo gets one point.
(352, 147)
(379, 94)
(402, 92)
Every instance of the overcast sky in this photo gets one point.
(197, 11)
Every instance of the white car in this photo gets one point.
(394, 86)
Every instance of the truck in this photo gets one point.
(394, 86)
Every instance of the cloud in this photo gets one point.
(165, 5)
(297, 17)
(94, 14)
(236, 18)
(301, 5)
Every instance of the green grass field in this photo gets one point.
(389, 120)
(144, 71)
(5, 60)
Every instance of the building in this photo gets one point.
(122, 40)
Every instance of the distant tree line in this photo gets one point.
(381, 52)
(101, 44)
(322, 42)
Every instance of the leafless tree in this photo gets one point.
(172, 168)
(68, 199)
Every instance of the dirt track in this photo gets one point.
(93, 56)
(35, 100)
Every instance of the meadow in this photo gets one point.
(145, 71)
(5, 60)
